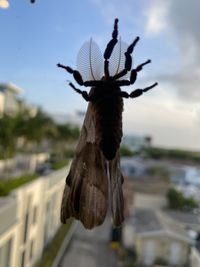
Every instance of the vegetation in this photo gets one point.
(128, 257)
(36, 133)
(60, 164)
(67, 131)
(159, 171)
(8, 185)
(177, 201)
(176, 154)
(125, 151)
(7, 136)
(52, 249)
(161, 261)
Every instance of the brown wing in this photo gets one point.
(85, 195)
(117, 199)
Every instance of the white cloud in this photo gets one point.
(181, 19)
(157, 17)
(116, 8)
(171, 122)
(4, 4)
(108, 9)
(185, 20)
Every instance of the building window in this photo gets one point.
(26, 226)
(47, 222)
(175, 253)
(34, 215)
(23, 259)
(31, 250)
(5, 253)
(27, 215)
(149, 252)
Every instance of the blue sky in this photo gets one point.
(35, 37)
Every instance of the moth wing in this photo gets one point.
(90, 61)
(85, 195)
(117, 199)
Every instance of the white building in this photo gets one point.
(10, 103)
(153, 236)
(194, 257)
(29, 218)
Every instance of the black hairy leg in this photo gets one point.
(133, 75)
(77, 76)
(134, 72)
(128, 60)
(109, 48)
(137, 92)
(83, 93)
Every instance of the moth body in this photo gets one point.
(96, 164)
(108, 107)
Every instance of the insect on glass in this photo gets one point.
(96, 165)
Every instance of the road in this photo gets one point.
(90, 248)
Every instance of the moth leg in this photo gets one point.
(110, 47)
(83, 93)
(128, 60)
(134, 72)
(92, 83)
(122, 83)
(124, 94)
(137, 92)
(133, 75)
(77, 76)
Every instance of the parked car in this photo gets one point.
(44, 169)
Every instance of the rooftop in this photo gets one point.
(145, 221)
(150, 222)
(12, 87)
(184, 217)
(5, 202)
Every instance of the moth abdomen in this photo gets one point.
(108, 117)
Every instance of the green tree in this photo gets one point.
(160, 153)
(39, 127)
(67, 132)
(36, 133)
(125, 151)
(159, 171)
(177, 201)
(64, 142)
(7, 136)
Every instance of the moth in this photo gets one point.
(95, 181)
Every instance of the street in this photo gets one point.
(90, 248)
